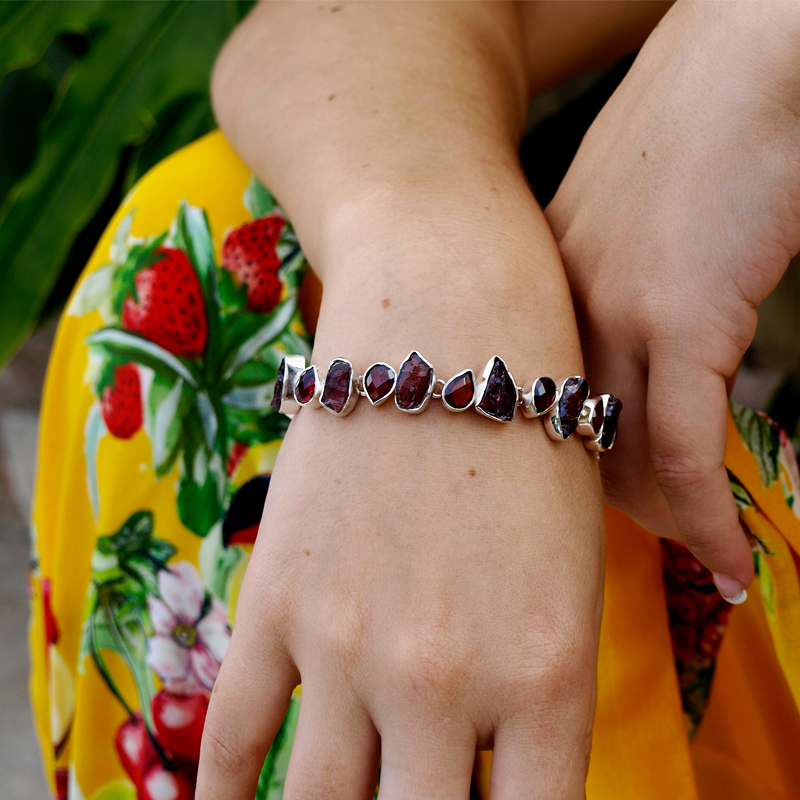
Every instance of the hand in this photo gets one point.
(435, 580)
(678, 216)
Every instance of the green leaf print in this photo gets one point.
(761, 439)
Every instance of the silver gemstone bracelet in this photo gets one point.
(566, 409)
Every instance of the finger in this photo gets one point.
(250, 699)
(427, 758)
(545, 758)
(687, 424)
(336, 748)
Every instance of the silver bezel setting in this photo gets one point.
(593, 443)
(474, 391)
(352, 392)
(292, 367)
(480, 390)
(388, 394)
(314, 402)
(585, 427)
(528, 405)
(552, 419)
(429, 391)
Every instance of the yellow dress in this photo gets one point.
(156, 446)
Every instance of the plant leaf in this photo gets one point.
(761, 439)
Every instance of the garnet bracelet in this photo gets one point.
(566, 409)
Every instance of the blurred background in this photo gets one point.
(94, 93)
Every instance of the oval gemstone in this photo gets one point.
(379, 382)
(544, 394)
(337, 386)
(459, 391)
(306, 385)
(277, 394)
(573, 396)
(413, 383)
(611, 421)
(499, 399)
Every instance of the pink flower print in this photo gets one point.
(192, 635)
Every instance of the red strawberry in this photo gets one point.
(171, 310)
(121, 403)
(162, 784)
(135, 748)
(249, 254)
(179, 722)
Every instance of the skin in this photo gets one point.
(436, 581)
(678, 216)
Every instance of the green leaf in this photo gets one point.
(761, 439)
(94, 430)
(257, 199)
(201, 489)
(131, 347)
(271, 327)
(142, 58)
(252, 429)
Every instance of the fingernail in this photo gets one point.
(730, 588)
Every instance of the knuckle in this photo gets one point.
(224, 748)
(682, 475)
(428, 669)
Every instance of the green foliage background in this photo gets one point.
(93, 93)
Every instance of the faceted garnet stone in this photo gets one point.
(544, 394)
(277, 395)
(306, 384)
(613, 409)
(598, 415)
(378, 382)
(459, 391)
(500, 397)
(337, 386)
(574, 395)
(413, 383)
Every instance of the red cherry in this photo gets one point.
(135, 748)
(162, 784)
(179, 722)
(50, 625)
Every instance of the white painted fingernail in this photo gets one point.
(731, 589)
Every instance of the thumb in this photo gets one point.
(687, 409)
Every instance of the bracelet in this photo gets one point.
(566, 409)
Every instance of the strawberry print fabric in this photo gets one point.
(156, 448)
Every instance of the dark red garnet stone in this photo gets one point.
(613, 409)
(544, 394)
(277, 395)
(337, 386)
(597, 416)
(413, 383)
(573, 396)
(500, 396)
(459, 391)
(306, 384)
(378, 382)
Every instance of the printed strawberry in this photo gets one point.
(135, 748)
(159, 783)
(169, 308)
(121, 403)
(179, 722)
(250, 255)
(235, 456)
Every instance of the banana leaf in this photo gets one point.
(139, 91)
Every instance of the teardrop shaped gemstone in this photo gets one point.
(611, 421)
(544, 394)
(277, 394)
(414, 383)
(499, 397)
(573, 396)
(379, 382)
(459, 391)
(337, 386)
(306, 386)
